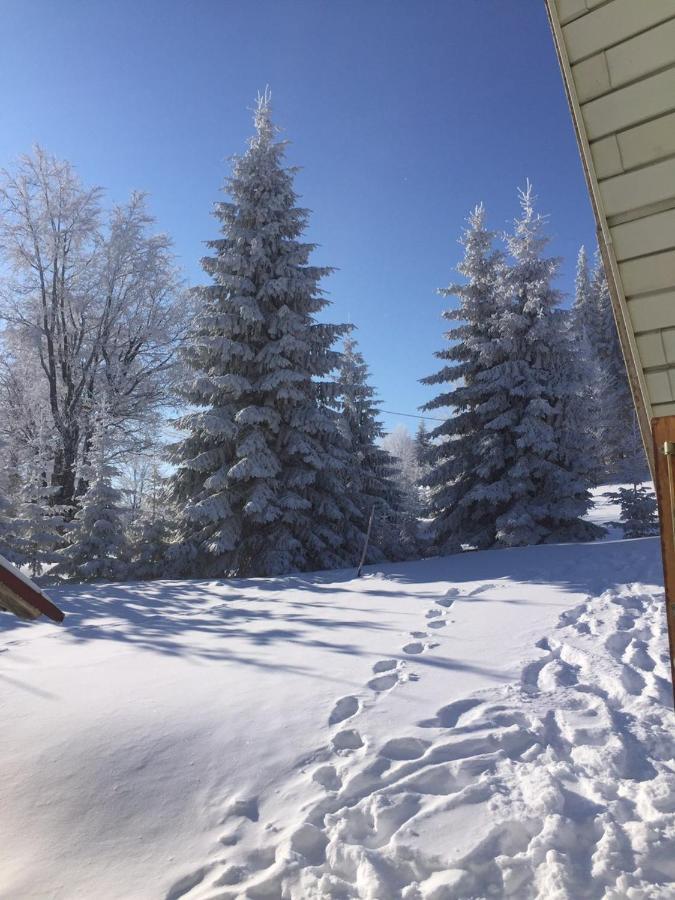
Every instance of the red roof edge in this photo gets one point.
(30, 594)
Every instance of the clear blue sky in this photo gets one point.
(402, 113)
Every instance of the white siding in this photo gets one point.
(618, 60)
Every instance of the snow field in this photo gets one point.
(323, 737)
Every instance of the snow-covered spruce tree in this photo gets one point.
(621, 449)
(639, 514)
(611, 421)
(37, 526)
(7, 479)
(150, 533)
(422, 444)
(423, 449)
(370, 475)
(472, 448)
(259, 476)
(6, 532)
(96, 546)
(581, 325)
(545, 481)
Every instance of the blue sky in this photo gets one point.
(402, 113)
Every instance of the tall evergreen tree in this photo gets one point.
(370, 476)
(545, 484)
(7, 477)
(618, 435)
(639, 513)
(37, 527)
(582, 324)
(259, 477)
(97, 545)
(469, 456)
(150, 533)
(423, 445)
(6, 531)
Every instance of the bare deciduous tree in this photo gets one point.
(90, 307)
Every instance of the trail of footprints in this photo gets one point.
(367, 821)
(310, 843)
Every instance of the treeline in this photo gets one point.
(279, 456)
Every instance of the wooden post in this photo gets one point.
(663, 431)
(365, 543)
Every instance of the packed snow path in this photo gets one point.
(494, 724)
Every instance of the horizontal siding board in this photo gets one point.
(651, 349)
(642, 55)
(643, 236)
(607, 157)
(663, 409)
(591, 77)
(659, 387)
(647, 142)
(668, 341)
(570, 9)
(652, 313)
(634, 190)
(613, 23)
(649, 274)
(635, 58)
(628, 106)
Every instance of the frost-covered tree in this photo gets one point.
(97, 546)
(423, 450)
(612, 422)
(260, 471)
(6, 531)
(582, 323)
(469, 458)
(423, 444)
(639, 514)
(150, 531)
(90, 303)
(7, 477)
(545, 481)
(400, 445)
(36, 528)
(370, 476)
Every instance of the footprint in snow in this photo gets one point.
(481, 589)
(418, 634)
(349, 739)
(437, 623)
(383, 682)
(432, 613)
(185, 884)
(246, 808)
(404, 748)
(328, 778)
(385, 665)
(448, 716)
(229, 840)
(414, 647)
(345, 708)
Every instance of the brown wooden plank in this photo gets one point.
(663, 430)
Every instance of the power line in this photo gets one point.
(390, 412)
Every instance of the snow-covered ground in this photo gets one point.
(493, 724)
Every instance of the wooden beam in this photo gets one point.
(663, 431)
